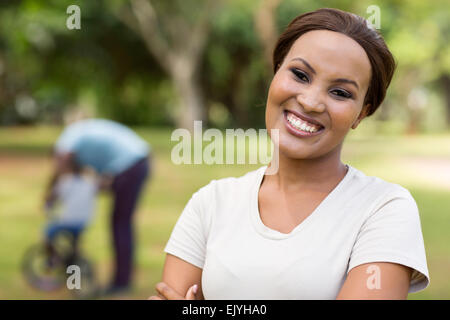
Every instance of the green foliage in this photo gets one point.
(46, 69)
(57, 66)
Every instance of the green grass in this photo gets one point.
(417, 162)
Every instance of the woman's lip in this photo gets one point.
(297, 132)
(305, 118)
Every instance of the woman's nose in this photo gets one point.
(311, 100)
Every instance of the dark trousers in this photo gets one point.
(126, 189)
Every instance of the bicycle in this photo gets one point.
(45, 265)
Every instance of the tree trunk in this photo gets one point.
(181, 59)
(414, 122)
(265, 25)
(192, 105)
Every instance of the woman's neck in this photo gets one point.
(300, 174)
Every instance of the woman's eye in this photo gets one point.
(341, 93)
(300, 75)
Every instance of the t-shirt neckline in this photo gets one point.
(267, 232)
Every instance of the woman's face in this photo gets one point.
(317, 94)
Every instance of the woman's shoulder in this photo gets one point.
(219, 193)
(379, 187)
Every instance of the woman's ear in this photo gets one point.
(364, 111)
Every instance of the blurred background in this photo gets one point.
(156, 65)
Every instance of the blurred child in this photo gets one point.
(71, 205)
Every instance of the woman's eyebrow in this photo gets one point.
(306, 64)
(342, 80)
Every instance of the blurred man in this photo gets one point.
(123, 161)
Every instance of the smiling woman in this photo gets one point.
(318, 228)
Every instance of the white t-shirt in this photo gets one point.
(364, 219)
(76, 195)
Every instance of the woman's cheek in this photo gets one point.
(343, 117)
(282, 88)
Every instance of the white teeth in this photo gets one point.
(298, 124)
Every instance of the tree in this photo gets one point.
(265, 24)
(177, 45)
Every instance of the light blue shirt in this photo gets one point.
(106, 146)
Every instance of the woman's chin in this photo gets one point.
(296, 151)
(297, 148)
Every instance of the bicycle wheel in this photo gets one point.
(42, 270)
(88, 286)
(64, 244)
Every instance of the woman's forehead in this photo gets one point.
(333, 54)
